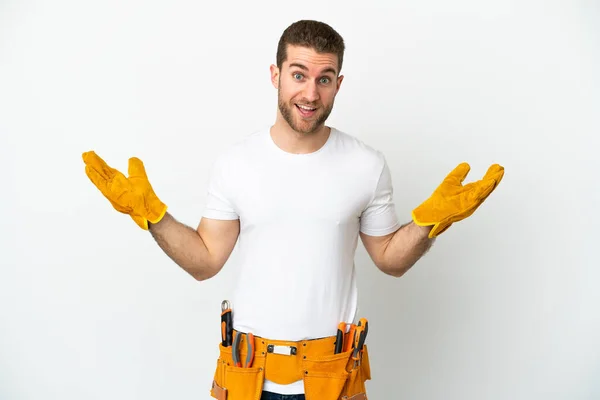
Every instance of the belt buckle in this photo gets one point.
(283, 350)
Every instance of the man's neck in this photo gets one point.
(294, 142)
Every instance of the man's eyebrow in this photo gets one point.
(303, 67)
(298, 66)
(332, 70)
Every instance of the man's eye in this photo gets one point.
(297, 76)
(324, 80)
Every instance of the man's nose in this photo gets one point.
(311, 92)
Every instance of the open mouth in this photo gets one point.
(306, 111)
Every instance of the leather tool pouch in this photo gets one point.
(355, 388)
(326, 376)
(237, 383)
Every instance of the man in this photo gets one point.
(295, 198)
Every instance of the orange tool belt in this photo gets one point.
(326, 375)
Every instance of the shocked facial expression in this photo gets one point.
(307, 85)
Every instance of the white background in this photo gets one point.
(505, 306)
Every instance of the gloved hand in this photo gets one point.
(131, 195)
(452, 202)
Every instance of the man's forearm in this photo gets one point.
(406, 247)
(183, 245)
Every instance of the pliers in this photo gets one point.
(360, 334)
(235, 350)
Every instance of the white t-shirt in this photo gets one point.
(300, 216)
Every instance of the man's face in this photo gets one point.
(307, 85)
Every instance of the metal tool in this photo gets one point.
(236, 352)
(339, 340)
(226, 324)
(360, 336)
(350, 343)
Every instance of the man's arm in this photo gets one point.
(201, 252)
(396, 253)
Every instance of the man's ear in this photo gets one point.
(339, 83)
(275, 76)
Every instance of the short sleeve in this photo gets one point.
(218, 199)
(379, 218)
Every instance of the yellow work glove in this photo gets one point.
(452, 202)
(131, 195)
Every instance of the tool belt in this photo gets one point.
(327, 374)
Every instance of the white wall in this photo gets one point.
(506, 305)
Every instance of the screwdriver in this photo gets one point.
(339, 340)
(226, 324)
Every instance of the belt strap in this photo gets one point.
(264, 346)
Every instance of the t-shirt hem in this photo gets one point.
(294, 388)
(212, 214)
(381, 232)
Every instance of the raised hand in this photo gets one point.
(131, 195)
(452, 202)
